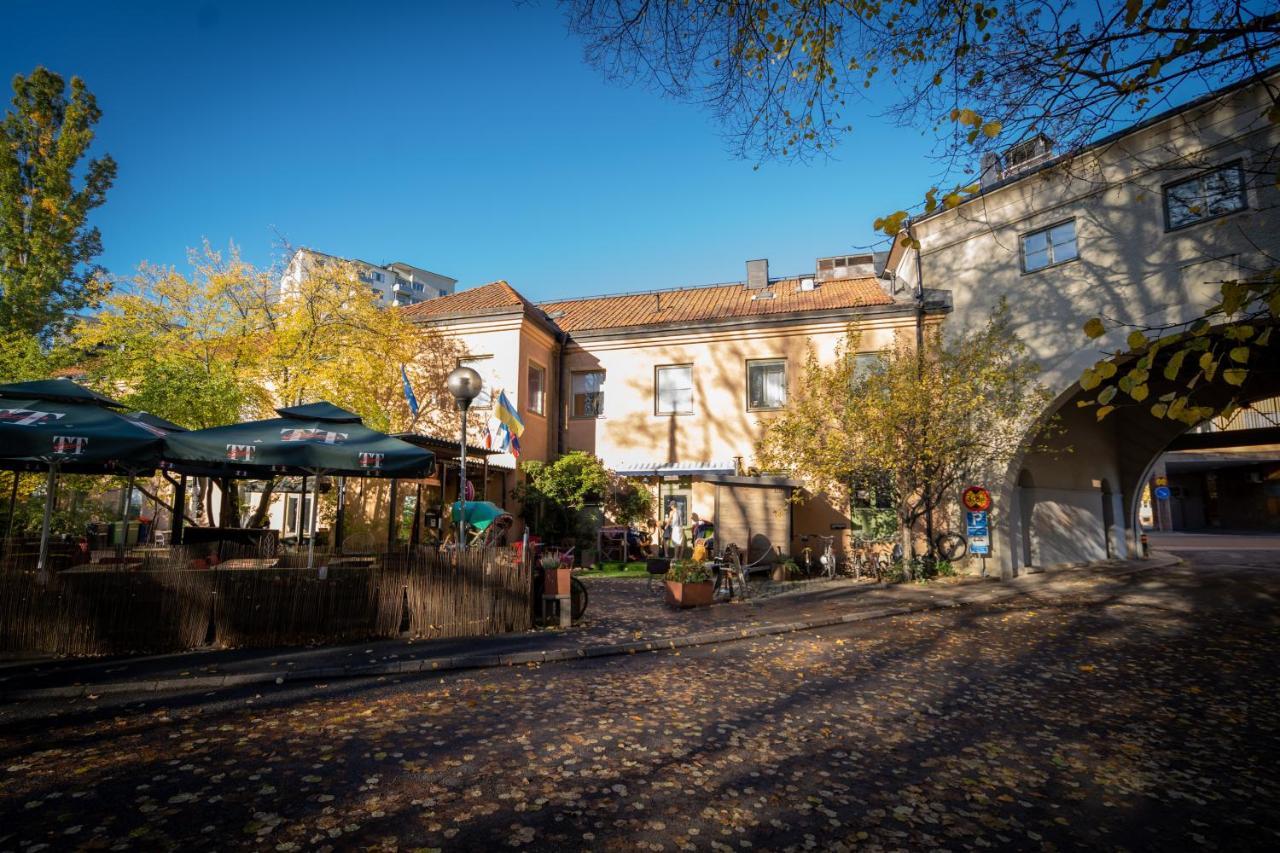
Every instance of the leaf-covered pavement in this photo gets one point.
(1132, 714)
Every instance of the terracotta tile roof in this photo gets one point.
(716, 302)
(498, 294)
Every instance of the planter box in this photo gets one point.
(689, 594)
(557, 581)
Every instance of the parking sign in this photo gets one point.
(977, 525)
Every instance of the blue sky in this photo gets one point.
(467, 138)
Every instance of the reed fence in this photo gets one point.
(169, 602)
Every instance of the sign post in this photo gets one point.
(977, 505)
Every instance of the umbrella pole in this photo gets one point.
(125, 494)
(42, 574)
(13, 508)
(311, 521)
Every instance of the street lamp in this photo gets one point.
(465, 385)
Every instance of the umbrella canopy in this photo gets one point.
(479, 514)
(57, 421)
(310, 439)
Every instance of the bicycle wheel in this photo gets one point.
(951, 546)
(578, 592)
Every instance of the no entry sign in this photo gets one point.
(976, 499)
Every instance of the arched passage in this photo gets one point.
(1077, 500)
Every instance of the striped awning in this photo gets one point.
(675, 469)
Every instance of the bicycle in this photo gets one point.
(828, 558)
(870, 554)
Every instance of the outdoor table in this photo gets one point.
(248, 563)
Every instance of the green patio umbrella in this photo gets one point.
(315, 439)
(479, 514)
(59, 426)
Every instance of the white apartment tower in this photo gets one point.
(395, 283)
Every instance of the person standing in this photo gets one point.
(675, 529)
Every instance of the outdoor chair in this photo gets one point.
(657, 568)
(613, 544)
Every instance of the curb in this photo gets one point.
(464, 662)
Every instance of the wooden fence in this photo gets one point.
(164, 604)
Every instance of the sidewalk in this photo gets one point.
(622, 618)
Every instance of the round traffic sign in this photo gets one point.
(976, 498)
(1162, 493)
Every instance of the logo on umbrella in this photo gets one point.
(27, 417)
(71, 445)
(240, 452)
(371, 460)
(319, 436)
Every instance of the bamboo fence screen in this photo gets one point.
(167, 605)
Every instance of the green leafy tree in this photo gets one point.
(554, 494)
(628, 502)
(921, 425)
(47, 248)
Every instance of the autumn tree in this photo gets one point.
(784, 79)
(221, 343)
(926, 423)
(47, 248)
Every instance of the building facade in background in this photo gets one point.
(675, 387)
(1140, 228)
(395, 284)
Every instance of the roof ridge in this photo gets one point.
(688, 287)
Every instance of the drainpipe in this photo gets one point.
(919, 295)
(562, 338)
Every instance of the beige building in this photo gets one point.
(1139, 228)
(675, 387)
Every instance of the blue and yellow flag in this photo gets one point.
(506, 413)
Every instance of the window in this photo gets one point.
(378, 277)
(1048, 246)
(482, 364)
(1206, 196)
(444, 293)
(673, 387)
(588, 394)
(419, 286)
(766, 384)
(537, 389)
(866, 363)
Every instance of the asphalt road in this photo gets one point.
(1137, 713)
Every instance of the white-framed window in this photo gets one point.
(1049, 246)
(766, 384)
(419, 286)
(1205, 196)
(378, 277)
(482, 364)
(673, 389)
(588, 394)
(537, 388)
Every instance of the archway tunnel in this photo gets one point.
(1075, 499)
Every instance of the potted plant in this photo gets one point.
(556, 575)
(785, 571)
(688, 584)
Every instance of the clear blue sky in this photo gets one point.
(467, 138)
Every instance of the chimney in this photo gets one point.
(990, 169)
(758, 274)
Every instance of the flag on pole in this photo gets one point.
(497, 436)
(408, 392)
(506, 413)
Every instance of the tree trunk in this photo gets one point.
(161, 502)
(259, 517)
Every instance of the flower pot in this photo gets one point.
(779, 574)
(689, 594)
(557, 581)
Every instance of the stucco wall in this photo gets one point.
(1129, 269)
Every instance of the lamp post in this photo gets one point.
(464, 384)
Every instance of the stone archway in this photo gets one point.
(1078, 501)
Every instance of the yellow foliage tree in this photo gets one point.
(926, 424)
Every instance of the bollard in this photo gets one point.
(1146, 545)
